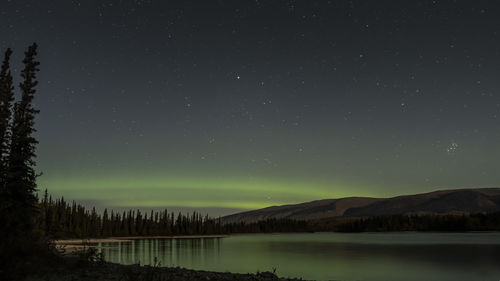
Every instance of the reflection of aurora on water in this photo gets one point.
(326, 256)
(189, 253)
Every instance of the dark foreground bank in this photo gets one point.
(72, 269)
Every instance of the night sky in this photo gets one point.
(226, 105)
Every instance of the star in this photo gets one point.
(452, 148)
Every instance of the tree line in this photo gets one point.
(61, 219)
(422, 222)
(430, 222)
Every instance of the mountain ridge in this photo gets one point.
(466, 200)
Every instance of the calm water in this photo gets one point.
(328, 256)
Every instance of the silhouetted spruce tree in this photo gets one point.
(21, 175)
(6, 99)
(106, 224)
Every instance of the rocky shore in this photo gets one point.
(74, 270)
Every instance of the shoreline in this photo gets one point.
(82, 241)
(75, 241)
(74, 269)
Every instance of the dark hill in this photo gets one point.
(437, 202)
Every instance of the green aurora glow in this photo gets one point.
(226, 193)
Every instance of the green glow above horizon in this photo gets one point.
(191, 192)
(232, 180)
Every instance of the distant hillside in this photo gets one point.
(437, 202)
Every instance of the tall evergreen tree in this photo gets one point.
(21, 175)
(6, 99)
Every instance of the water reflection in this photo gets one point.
(328, 256)
(192, 252)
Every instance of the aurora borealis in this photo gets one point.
(227, 105)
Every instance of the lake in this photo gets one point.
(327, 256)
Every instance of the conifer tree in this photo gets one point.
(6, 99)
(21, 175)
